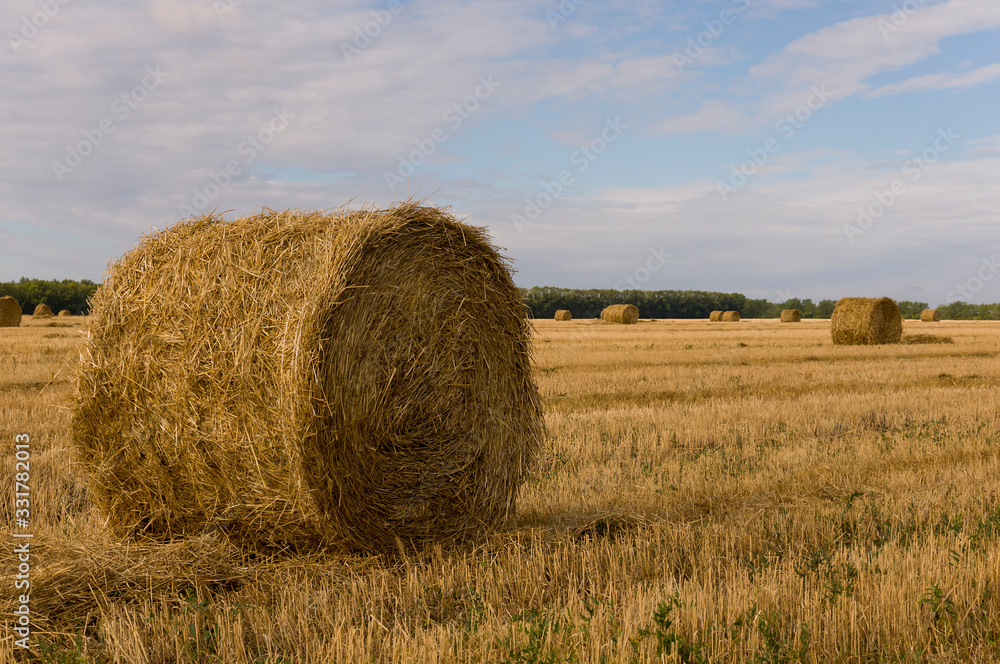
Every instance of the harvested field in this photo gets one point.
(747, 493)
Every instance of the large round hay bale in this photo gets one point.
(731, 317)
(42, 311)
(564, 314)
(297, 378)
(930, 316)
(10, 312)
(621, 313)
(716, 316)
(65, 312)
(866, 320)
(791, 316)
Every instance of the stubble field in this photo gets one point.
(733, 492)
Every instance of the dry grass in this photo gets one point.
(735, 494)
(299, 379)
(791, 316)
(716, 316)
(925, 339)
(930, 316)
(731, 317)
(563, 314)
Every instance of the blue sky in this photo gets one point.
(779, 148)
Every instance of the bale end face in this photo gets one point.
(10, 312)
(563, 314)
(866, 321)
(626, 314)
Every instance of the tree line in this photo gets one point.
(65, 294)
(544, 301)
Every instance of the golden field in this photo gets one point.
(731, 492)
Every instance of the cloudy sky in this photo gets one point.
(778, 148)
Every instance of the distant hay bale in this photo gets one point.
(627, 314)
(42, 311)
(295, 378)
(564, 314)
(791, 316)
(930, 316)
(10, 312)
(715, 316)
(866, 320)
(731, 317)
(65, 312)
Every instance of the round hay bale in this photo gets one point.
(65, 312)
(791, 316)
(715, 316)
(10, 312)
(866, 320)
(293, 379)
(564, 314)
(930, 316)
(42, 311)
(731, 317)
(627, 314)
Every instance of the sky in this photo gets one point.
(777, 148)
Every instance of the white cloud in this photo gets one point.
(795, 227)
(713, 115)
(985, 147)
(941, 81)
(841, 58)
(186, 15)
